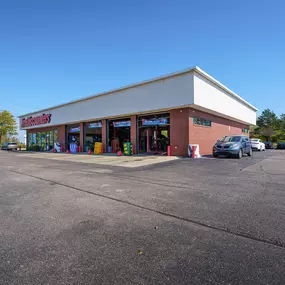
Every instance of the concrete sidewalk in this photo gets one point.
(105, 159)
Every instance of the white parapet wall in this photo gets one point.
(158, 94)
(189, 88)
(212, 96)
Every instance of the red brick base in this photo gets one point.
(183, 131)
(179, 131)
(206, 137)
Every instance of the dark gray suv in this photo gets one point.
(235, 146)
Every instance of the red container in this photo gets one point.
(193, 151)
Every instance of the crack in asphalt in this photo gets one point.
(268, 173)
(276, 243)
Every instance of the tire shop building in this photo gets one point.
(187, 107)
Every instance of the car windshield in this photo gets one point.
(231, 139)
(254, 140)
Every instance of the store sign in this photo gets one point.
(122, 124)
(33, 121)
(74, 130)
(161, 121)
(95, 125)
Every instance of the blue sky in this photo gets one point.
(55, 51)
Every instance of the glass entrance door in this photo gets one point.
(154, 134)
(73, 138)
(119, 132)
(154, 139)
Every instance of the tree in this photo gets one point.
(267, 119)
(253, 132)
(282, 127)
(8, 125)
(268, 125)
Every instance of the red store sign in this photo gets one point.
(39, 120)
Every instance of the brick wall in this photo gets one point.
(134, 132)
(179, 131)
(206, 137)
(81, 137)
(182, 131)
(104, 135)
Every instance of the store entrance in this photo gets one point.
(154, 133)
(93, 134)
(119, 133)
(73, 138)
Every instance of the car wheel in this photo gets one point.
(214, 155)
(240, 154)
(250, 152)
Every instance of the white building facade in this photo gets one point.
(177, 109)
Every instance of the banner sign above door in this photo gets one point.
(75, 130)
(161, 121)
(95, 125)
(122, 124)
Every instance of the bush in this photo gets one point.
(21, 145)
(33, 148)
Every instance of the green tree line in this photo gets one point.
(269, 127)
(8, 128)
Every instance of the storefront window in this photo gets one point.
(51, 140)
(202, 122)
(93, 134)
(42, 141)
(30, 139)
(73, 137)
(34, 139)
(119, 133)
(55, 136)
(154, 133)
(38, 139)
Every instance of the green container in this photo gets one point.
(128, 148)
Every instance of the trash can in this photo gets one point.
(98, 148)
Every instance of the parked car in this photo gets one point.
(257, 144)
(269, 145)
(9, 146)
(281, 145)
(235, 146)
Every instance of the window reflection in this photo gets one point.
(42, 141)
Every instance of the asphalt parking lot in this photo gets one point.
(203, 221)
